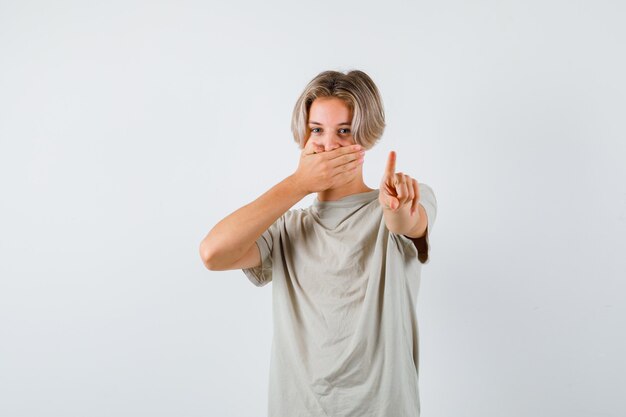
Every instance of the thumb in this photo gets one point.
(389, 201)
(310, 148)
(392, 202)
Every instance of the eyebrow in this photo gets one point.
(340, 124)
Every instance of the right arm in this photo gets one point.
(231, 242)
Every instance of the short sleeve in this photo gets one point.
(262, 274)
(429, 202)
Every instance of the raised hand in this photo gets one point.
(318, 170)
(397, 190)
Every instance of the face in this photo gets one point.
(329, 124)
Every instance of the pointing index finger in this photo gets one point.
(390, 169)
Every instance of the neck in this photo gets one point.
(354, 187)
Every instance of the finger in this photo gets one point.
(408, 181)
(390, 169)
(310, 147)
(352, 157)
(401, 188)
(347, 165)
(388, 189)
(345, 176)
(416, 196)
(312, 150)
(345, 150)
(392, 202)
(395, 181)
(389, 198)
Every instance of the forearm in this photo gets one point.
(231, 238)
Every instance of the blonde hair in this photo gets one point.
(359, 93)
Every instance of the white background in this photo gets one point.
(128, 129)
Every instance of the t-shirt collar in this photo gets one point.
(347, 201)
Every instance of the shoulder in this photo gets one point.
(427, 194)
(293, 218)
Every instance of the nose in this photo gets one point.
(329, 142)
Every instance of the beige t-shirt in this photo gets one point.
(345, 340)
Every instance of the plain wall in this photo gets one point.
(128, 129)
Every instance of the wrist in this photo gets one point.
(399, 220)
(296, 186)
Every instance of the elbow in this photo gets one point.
(207, 256)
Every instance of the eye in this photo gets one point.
(346, 130)
(314, 129)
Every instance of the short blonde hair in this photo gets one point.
(358, 91)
